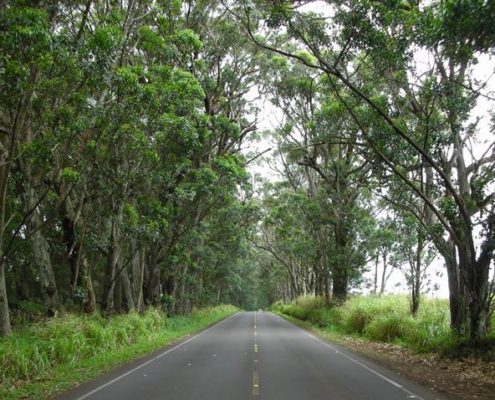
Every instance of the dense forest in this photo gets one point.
(129, 129)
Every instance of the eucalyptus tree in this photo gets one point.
(41, 79)
(366, 49)
(285, 233)
(323, 142)
(226, 66)
(121, 137)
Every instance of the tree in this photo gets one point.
(121, 142)
(380, 38)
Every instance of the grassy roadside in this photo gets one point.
(53, 356)
(381, 319)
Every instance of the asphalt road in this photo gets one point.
(252, 355)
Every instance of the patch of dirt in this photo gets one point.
(468, 379)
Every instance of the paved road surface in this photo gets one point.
(254, 355)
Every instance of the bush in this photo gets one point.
(389, 327)
(385, 319)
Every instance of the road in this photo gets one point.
(252, 355)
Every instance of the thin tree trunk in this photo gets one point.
(117, 292)
(41, 249)
(5, 328)
(152, 280)
(47, 277)
(375, 281)
(416, 276)
(111, 268)
(384, 274)
(90, 302)
(138, 266)
(127, 291)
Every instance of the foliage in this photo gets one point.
(122, 127)
(385, 319)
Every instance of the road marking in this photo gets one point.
(256, 383)
(392, 382)
(255, 348)
(153, 359)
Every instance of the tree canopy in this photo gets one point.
(127, 140)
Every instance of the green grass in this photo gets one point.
(52, 356)
(383, 319)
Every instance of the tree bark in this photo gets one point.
(127, 291)
(340, 272)
(113, 255)
(90, 302)
(41, 248)
(138, 267)
(117, 292)
(457, 295)
(152, 280)
(416, 277)
(5, 328)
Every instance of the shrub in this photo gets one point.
(385, 319)
(389, 327)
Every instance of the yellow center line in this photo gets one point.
(256, 384)
(256, 378)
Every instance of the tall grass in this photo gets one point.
(72, 341)
(384, 319)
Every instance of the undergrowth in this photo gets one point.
(383, 319)
(45, 357)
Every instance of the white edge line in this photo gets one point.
(392, 382)
(153, 359)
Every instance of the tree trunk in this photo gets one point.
(69, 235)
(340, 284)
(181, 299)
(89, 305)
(478, 318)
(41, 249)
(138, 267)
(117, 292)
(340, 272)
(457, 297)
(113, 255)
(384, 273)
(375, 280)
(5, 328)
(416, 276)
(328, 287)
(23, 279)
(152, 281)
(127, 291)
(479, 299)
